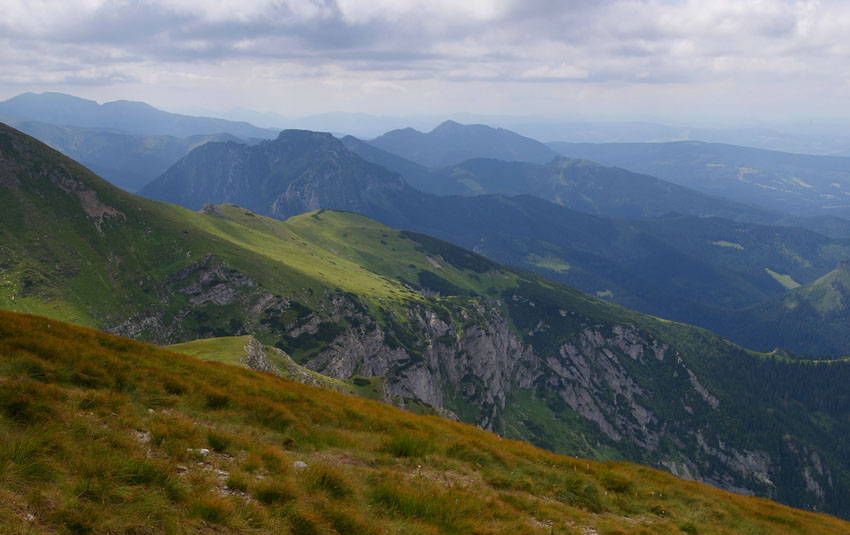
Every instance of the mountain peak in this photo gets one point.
(448, 125)
(451, 143)
(299, 171)
(295, 133)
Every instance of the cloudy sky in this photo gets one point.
(724, 60)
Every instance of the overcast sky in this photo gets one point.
(770, 60)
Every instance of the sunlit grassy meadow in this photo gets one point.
(106, 435)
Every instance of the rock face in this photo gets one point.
(486, 365)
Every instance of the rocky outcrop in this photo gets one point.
(482, 362)
(190, 304)
(257, 358)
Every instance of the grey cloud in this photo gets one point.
(611, 40)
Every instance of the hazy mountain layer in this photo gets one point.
(131, 117)
(577, 184)
(794, 183)
(125, 160)
(451, 143)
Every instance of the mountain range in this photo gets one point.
(136, 118)
(799, 184)
(685, 268)
(580, 185)
(431, 326)
(125, 160)
(590, 187)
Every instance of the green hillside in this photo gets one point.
(425, 325)
(813, 319)
(106, 435)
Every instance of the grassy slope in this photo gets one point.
(233, 350)
(227, 350)
(56, 260)
(104, 435)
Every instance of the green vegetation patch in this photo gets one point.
(785, 280)
(550, 262)
(728, 244)
(229, 350)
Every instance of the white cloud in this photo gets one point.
(382, 87)
(447, 11)
(558, 72)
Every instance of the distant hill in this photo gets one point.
(131, 117)
(802, 185)
(125, 160)
(813, 318)
(577, 184)
(452, 143)
(295, 173)
(421, 177)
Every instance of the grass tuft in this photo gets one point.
(218, 441)
(329, 481)
(211, 509)
(274, 492)
(579, 491)
(408, 444)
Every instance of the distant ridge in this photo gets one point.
(124, 115)
(580, 185)
(798, 184)
(451, 143)
(125, 160)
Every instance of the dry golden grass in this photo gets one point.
(106, 435)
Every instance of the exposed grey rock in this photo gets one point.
(701, 390)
